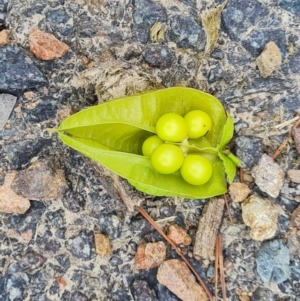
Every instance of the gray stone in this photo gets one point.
(248, 149)
(7, 103)
(81, 245)
(263, 294)
(187, 33)
(273, 261)
(17, 72)
(268, 175)
(64, 261)
(145, 14)
(38, 282)
(48, 246)
(257, 39)
(142, 292)
(45, 110)
(13, 287)
(78, 296)
(238, 16)
(290, 104)
(21, 152)
(56, 17)
(56, 218)
(158, 56)
(210, 272)
(217, 54)
(3, 11)
(32, 260)
(115, 261)
(110, 225)
(294, 63)
(41, 181)
(74, 202)
(291, 6)
(215, 74)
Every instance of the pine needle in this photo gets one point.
(241, 175)
(216, 267)
(286, 123)
(228, 209)
(281, 147)
(221, 264)
(159, 230)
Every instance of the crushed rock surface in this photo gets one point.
(49, 252)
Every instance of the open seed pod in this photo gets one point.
(113, 133)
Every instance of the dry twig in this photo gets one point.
(208, 228)
(286, 123)
(295, 132)
(228, 209)
(159, 230)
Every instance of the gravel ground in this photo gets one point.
(48, 253)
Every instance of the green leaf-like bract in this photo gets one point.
(112, 134)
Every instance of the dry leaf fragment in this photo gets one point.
(157, 32)
(211, 21)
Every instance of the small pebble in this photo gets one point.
(46, 46)
(10, 202)
(178, 235)
(273, 261)
(4, 39)
(150, 255)
(217, 54)
(294, 175)
(244, 297)
(13, 58)
(261, 216)
(32, 260)
(264, 294)
(41, 181)
(215, 74)
(238, 192)
(269, 60)
(178, 278)
(158, 56)
(81, 245)
(78, 296)
(102, 244)
(269, 176)
(248, 149)
(187, 33)
(142, 291)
